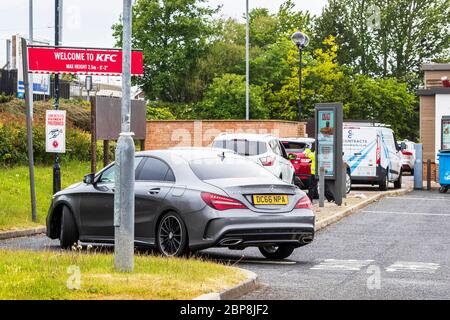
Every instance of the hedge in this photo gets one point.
(13, 145)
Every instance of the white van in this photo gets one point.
(373, 155)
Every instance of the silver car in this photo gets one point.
(187, 200)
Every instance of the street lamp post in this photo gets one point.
(301, 40)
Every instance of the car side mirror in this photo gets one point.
(292, 156)
(89, 178)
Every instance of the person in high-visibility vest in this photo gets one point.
(312, 189)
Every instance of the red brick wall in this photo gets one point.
(186, 133)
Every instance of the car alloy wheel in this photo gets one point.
(171, 237)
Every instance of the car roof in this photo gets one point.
(187, 153)
(304, 140)
(245, 136)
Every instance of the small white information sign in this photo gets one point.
(55, 131)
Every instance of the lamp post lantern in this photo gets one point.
(301, 40)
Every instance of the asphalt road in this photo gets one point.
(397, 248)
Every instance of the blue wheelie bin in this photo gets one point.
(444, 170)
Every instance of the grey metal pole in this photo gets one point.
(124, 182)
(247, 64)
(428, 174)
(8, 54)
(300, 71)
(61, 22)
(30, 33)
(321, 187)
(26, 85)
(56, 166)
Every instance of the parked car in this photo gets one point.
(408, 156)
(302, 164)
(263, 149)
(295, 147)
(372, 152)
(189, 199)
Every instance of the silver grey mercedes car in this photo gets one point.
(187, 200)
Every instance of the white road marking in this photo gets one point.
(404, 266)
(419, 198)
(409, 213)
(342, 265)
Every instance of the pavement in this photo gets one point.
(396, 248)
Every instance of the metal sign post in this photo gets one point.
(28, 100)
(124, 182)
(88, 86)
(56, 166)
(247, 63)
(329, 121)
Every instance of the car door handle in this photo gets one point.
(154, 190)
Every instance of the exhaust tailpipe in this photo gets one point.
(230, 242)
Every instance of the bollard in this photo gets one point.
(418, 168)
(428, 174)
(321, 187)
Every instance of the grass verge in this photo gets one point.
(15, 203)
(45, 275)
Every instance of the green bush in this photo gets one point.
(4, 98)
(13, 145)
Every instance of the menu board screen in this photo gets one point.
(326, 141)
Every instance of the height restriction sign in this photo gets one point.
(55, 131)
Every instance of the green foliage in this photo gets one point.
(13, 147)
(173, 35)
(159, 113)
(384, 100)
(225, 99)
(5, 98)
(408, 31)
(195, 64)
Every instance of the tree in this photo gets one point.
(387, 37)
(385, 101)
(225, 99)
(174, 37)
(322, 77)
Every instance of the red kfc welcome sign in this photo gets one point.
(83, 61)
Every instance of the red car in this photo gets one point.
(301, 163)
(295, 147)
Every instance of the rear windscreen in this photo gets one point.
(295, 146)
(225, 168)
(242, 146)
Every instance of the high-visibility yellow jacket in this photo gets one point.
(311, 155)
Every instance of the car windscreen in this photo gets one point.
(294, 146)
(242, 147)
(226, 168)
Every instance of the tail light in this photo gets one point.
(378, 151)
(407, 153)
(219, 202)
(267, 161)
(304, 203)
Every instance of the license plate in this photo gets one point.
(270, 199)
